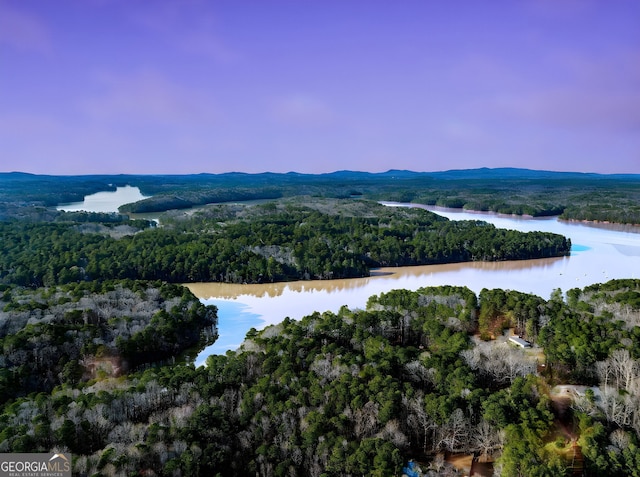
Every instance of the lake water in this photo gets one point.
(598, 254)
(105, 201)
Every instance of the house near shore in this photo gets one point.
(519, 341)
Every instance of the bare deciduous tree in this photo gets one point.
(625, 369)
(500, 362)
(418, 373)
(366, 420)
(617, 408)
(418, 420)
(454, 434)
(486, 439)
(393, 433)
(620, 439)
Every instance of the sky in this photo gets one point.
(190, 86)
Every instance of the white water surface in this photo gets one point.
(108, 201)
(598, 254)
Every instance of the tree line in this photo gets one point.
(357, 392)
(572, 196)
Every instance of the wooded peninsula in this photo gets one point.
(98, 335)
(572, 196)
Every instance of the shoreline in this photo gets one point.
(602, 224)
(594, 223)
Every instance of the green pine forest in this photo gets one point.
(276, 241)
(99, 337)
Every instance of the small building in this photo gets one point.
(520, 342)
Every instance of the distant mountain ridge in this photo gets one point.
(479, 173)
(571, 195)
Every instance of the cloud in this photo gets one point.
(580, 90)
(147, 96)
(578, 109)
(465, 130)
(189, 26)
(27, 125)
(565, 9)
(23, 31)
(207, 44)
(592, 93)
(301, 110)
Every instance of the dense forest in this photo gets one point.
(98, 337)
(358, 392)
(572, 196)
(90, 329)
(276, 241)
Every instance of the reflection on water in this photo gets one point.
(578, 248)
(227, 329)
(628, 250)
(230, 291)
(598, 254)
(105, 201)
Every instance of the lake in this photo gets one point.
(598, 254)
(108, 201)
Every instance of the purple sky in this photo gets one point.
(187, 86)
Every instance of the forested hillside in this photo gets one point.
(98, 338)
(259, 243)
(361, 392)
(96, 329)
